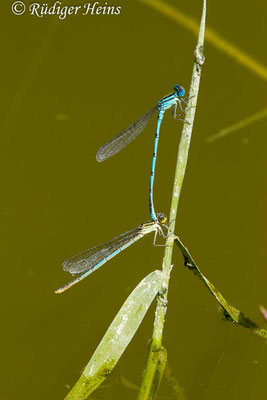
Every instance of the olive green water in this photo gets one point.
(67, 87)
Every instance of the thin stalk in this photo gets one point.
(183, 150)
(181, 164)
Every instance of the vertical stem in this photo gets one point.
(182, 157)
(146, 390)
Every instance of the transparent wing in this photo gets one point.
(117, 143)
(88, 259)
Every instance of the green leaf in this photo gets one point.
(230, 312)
(117, 337)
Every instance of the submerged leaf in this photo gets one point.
(238, 125)
(178, 390)
(128, 384)
(117, 337)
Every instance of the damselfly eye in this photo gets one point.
(179, 90)
(161, 218)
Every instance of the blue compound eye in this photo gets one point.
(180, 90)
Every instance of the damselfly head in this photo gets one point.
(179, 90)
(161, 218)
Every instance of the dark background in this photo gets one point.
(66, 88)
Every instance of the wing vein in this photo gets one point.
(125, 137)
(89, 258)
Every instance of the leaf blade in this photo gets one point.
(117, 337)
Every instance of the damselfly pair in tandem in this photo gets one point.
(87, 262)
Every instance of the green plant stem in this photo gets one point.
(182, 157)
(183, 150)
(153, 373)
